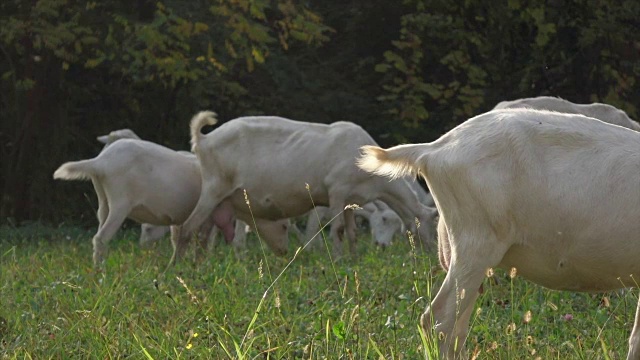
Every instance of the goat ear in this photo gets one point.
(103, 139)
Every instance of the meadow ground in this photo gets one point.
(54, 305)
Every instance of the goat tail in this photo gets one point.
(197, 123)
(75, 170)
(395, 162)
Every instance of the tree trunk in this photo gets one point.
(23, 166)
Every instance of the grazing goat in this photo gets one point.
(602, 112)
(384, 223)
(138, 179)
(554, 195)
(283, 164)
(149, 232)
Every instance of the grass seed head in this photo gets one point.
(193, 297)
(246, 198)
(489, 272)
(411, 241)
(352, 207)
(530, 341)
(511, 328)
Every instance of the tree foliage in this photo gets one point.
(406, 71)
(73, 70)
(453, 60)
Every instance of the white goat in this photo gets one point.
(150, 233)
(137, 179)
(273, 158)
(553, 195)
(600, 111)
(384, 223)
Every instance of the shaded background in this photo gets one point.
(407, 71)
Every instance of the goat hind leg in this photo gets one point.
(446, 319)
(210, 198)
(106, 231)
(103, 204)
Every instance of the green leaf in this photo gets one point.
(92, 63)
(382, 68)
(339, 330)
(257, 55)
(25, 84)
(544, 32)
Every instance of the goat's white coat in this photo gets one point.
(554, 195)
(604, 112)
(384, 223)
(137, 179)
(273, 158)
(150, 232)
(116, 135)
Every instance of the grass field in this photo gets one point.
(54, 305)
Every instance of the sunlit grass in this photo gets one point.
(56, 306)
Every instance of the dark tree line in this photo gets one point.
(406, 71)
